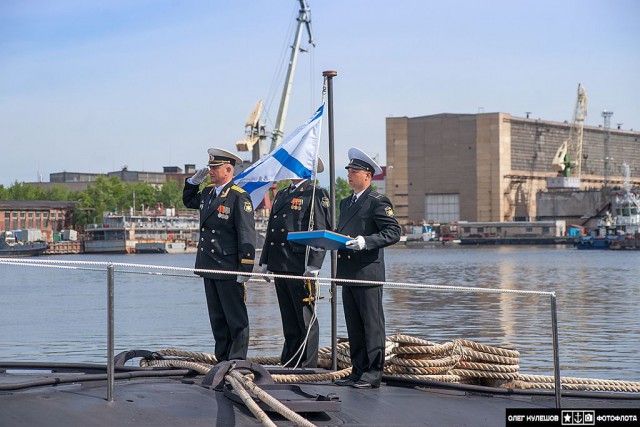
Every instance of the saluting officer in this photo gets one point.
(227, 242)
(291, 211)
(368, 215)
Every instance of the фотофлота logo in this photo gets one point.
(578, 418)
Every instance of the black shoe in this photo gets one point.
(345, 382)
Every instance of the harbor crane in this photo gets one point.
(568, 158)
(304, 19)
(255, 135)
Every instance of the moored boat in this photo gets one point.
(152, 231)
(596, 242)
(620, 230)
(11, 248)
(168, 247)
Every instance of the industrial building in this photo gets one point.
(80, 181)
(49, 217)
(493, 167)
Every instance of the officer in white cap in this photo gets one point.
(291, 211)
(367, 215)
(227, 242)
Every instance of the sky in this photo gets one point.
(92, 86)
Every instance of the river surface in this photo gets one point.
(60, 315)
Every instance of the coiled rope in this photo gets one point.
(459, 361)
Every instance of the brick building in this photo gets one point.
(46, 216)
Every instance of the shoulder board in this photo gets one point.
(210, 185)
(237, 188)
(376, 195)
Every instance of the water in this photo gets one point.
(55, 314)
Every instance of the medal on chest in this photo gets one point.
(223, 212)
(296, 204)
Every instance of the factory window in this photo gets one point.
(529, 229)
(545, 230)
(7, 221)
(480, 230)
(23, 220)
(466, 229)
(443, 208)
(30, 220)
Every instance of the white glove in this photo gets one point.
(199, 177)
(263, 270)
(311, 272)
(356, 244)
(242, 279)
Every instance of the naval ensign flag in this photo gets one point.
(295, 158)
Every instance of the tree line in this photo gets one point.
(113, 195)
(103, 195)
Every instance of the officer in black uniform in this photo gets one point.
(227, 242)
(291, 211)
(368, 215)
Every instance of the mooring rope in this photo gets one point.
(265, 397)
(249, 402)
(461, 361)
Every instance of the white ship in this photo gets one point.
(626, 206)
(152, 231)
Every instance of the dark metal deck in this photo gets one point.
(144, 397)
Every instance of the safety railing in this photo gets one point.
(110, 269)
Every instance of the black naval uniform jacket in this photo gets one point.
(372, 218)
(291, 212)
(227, 229)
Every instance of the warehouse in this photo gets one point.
(492, 167)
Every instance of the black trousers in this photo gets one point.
(364, 317)
(228, 317)
(296, 317)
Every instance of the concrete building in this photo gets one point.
(177, 174)
(125, 175)
(80, 181)
(73, 177)
(491, 167)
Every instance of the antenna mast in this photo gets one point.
(304, 18)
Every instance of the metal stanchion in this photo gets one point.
(110, 332)
(556, 357)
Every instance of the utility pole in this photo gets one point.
(606, 115)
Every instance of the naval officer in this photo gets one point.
(227, 242)
(291, 211)
(368, 217)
